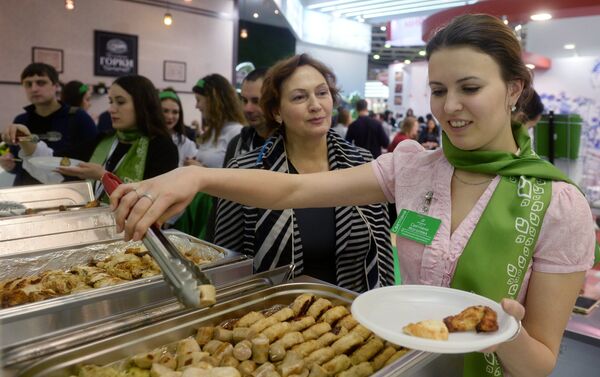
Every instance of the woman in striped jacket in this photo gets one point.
(346, 246)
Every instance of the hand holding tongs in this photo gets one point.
(181, 274)
(33, 138)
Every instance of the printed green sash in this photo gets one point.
(508, 230)
(131, 168)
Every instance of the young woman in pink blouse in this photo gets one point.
(513, 228)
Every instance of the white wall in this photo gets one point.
(204, 43)
(349, 67)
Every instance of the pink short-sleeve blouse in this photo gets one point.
(566, 242)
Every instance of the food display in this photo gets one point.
(110, 264)
(478, 317)
(310, 337)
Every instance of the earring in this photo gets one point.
(513, 108)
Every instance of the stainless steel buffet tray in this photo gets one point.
(37, 196)
(169, 331)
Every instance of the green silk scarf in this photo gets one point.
(133, 164)
(504, 239)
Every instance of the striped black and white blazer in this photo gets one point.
(363, 251)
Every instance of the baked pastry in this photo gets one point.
(480, 318)
(430, 329)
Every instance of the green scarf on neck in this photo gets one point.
(132, 166)
(504, 239)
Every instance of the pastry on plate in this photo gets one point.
(430, 329)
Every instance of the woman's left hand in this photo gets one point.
(515, 309)
(85, 170)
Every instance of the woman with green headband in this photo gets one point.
(76, 94)
(141, 147)
(173, 113)
(499, 221)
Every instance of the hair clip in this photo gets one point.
(83, 89)
(200, 83)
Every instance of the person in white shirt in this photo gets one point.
(173, 113)
(222, 116)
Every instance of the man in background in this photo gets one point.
(366, 132)
(44, 114)
(257, 132)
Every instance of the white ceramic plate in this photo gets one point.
(385, 311)
(50, 163)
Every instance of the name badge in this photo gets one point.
(416, 226)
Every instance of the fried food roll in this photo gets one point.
(276, 331)
(225, 349)
(396, 356)
(302, 303)
(334, 314)
(307, 347)
(361, 370)
(243, 350)
(319, 307)
(145, 360)
(222, 334)
(364, 332)
(249, 319)
(204, 335)
(293, 363)
(229, 361)
(348, 322)
(283, 314)
(189, 359)
(246, 367)
(466, 320)
(317, 371)
(224, 372)
(187, 345)
(316, 330)
(379, 360)
(243, 333)
(262, 324)
(260, 349)
(303, 373)
(366, 351)
(302, 323)
(320, 356)
(337, 364)
(278, 349)
(195, 372)
(211, 346)
(263, 370)
(159, 370)
(346, 342)
(208, 294)
(330, 337)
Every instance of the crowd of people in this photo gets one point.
(294, 187)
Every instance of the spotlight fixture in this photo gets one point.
(70, 4)
(243, 33)
(376, 56)
(530, 66)
(383, 28)
(255, 15)
(387, 45)
(276, 11)
(541, 17)
(569, 46)
(168, 19)
(518, 27)
(407, 61)
(422, 53)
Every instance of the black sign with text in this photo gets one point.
(115, 54)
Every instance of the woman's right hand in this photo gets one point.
(138, 205)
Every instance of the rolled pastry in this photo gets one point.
(246, 367)
(222, 334)
(379, 360)
(260, 349)
(319, 307)
(361, 370)
(229, 361)
(293, 363)
(367, 351)
(307, 347)
(316, 330)
(320, 356)
(249, 319)
(204, 335)
(243, 350)
(348, 322)
(317, 371)
(262, 324)
(302, 323)
(188, 359)
(283, 314)
(396, 356)
(334, 314)
(211, 346)
(346, 342)
(276, 331)
(223, 372)
(302, 303)
(337, 364)
(364, 332)
(208, 294)
(243, 333)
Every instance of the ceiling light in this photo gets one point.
(569, 46)
(376, 56)
(387, 45)
(388, 8)
(407, 61)
(69, 4)
(541, 17)
(255, 15)
(518, 27)
(188, 1)
(383, 28)
(168, 19)
(530, 66)
(243, 33)
(422, 53)
(276, 11)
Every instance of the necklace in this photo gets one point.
(488, 180)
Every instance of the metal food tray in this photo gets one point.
(34, 321)
(37, 196)
(169, 331)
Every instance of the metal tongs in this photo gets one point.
(49, 136)
(181, 274)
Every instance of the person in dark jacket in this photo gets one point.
(366, 132)
(45, 114)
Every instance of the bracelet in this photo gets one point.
(517, 333)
